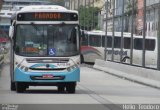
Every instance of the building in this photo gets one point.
(10, 6)
(115, 15)
(152, 18)
(73, 4)
(151, 28)
(152, 7)
(96, 17)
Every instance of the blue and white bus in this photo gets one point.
(45, 48)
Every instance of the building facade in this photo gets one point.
(10, 6)
(115, 16)
(152, 17)
(73, 4)
(116, 13)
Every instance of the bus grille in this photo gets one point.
(47, 60)
(48, 69)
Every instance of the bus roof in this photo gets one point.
(147, 37)
(117, 34)
(99, 32)
(45, 8)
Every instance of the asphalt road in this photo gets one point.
(95, 87)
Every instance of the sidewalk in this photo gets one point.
(141, 75)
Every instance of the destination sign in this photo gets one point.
(47, 16)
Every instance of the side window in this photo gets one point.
(117, 42)
(150, 44)
(109, 41)
(138, 44)
(127, 43)
(84, 39)
(95, 40)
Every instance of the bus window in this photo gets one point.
(84, 39)
(109, 41)
(117, 42)
(127, 43)
(138, 44)
(149, 44)
(95, 40)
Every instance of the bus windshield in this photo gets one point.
(47, 40)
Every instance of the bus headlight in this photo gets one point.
(24, 68)
(68, 69)
(71, 68)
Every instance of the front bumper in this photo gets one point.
(21, 76)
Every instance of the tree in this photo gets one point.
(128, 13)
(58, 2)
(129, 7)
(88, 17)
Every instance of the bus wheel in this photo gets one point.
(124, 59)
(71, 87)
(82, 59)
(20, 87)
(61, 88)
(13, 86)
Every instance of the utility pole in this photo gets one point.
(122, 29)
(112, 58)
(88, 27)
(93, 16)
(105, 50)
(144, 33)
(132, 27)
(158, 38)
(85, 16)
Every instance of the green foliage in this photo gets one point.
(88, 17)
(128, 11)
(57, 2)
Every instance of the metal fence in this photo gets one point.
(139, 19)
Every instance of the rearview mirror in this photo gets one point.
(11, 31)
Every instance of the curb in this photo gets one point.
(135, 78)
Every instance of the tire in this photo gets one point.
(61, 88)
(27, 86)
(82, 59)
(13, 86)
(20, 87)
(71, 87)
(125, 58)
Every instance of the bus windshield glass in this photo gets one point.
(47, 40)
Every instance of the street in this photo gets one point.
(95, 87)
(58, 35)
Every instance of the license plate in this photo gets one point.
(47, 76)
